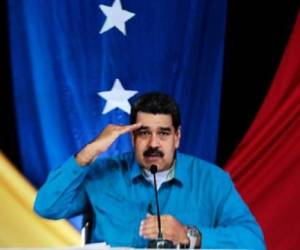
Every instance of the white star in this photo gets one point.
(115, 17)
(117, 97)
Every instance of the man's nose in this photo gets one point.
(154, 141)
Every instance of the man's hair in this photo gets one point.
(156, 103)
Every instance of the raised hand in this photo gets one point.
(103, 142)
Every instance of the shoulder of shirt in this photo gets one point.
(200, 165)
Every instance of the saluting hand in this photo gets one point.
(103, 141)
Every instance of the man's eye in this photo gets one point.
(143, 133)
(164, 133)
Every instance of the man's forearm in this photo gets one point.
(87, 155)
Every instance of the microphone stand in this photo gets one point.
(159, 242)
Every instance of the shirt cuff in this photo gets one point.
(73, 167)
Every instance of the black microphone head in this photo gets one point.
(153, 169)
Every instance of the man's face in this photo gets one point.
(156, 141)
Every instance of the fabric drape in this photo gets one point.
(266, 164)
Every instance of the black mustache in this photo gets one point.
(153, 152)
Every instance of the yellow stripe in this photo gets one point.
(19, 225)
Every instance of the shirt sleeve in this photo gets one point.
(236, 226)
(63, 194)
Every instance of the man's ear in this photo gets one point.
(177, 137)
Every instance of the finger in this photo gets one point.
(167, 234)
(148, 223)
(151, 217)
(149, 236)
(152, 233)
(149, 227)
(169, 228)
(148, 231)
(131, 127)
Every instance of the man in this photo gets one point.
(199, 205)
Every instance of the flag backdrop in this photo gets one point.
(266, 164)
(76, 64)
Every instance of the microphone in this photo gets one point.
(159, 242)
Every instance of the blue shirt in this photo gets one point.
(200, 194)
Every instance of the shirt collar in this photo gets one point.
(180, 174)
(166, 174)
(178, 171)
(135, 171)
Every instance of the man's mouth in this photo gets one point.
(152, 158)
